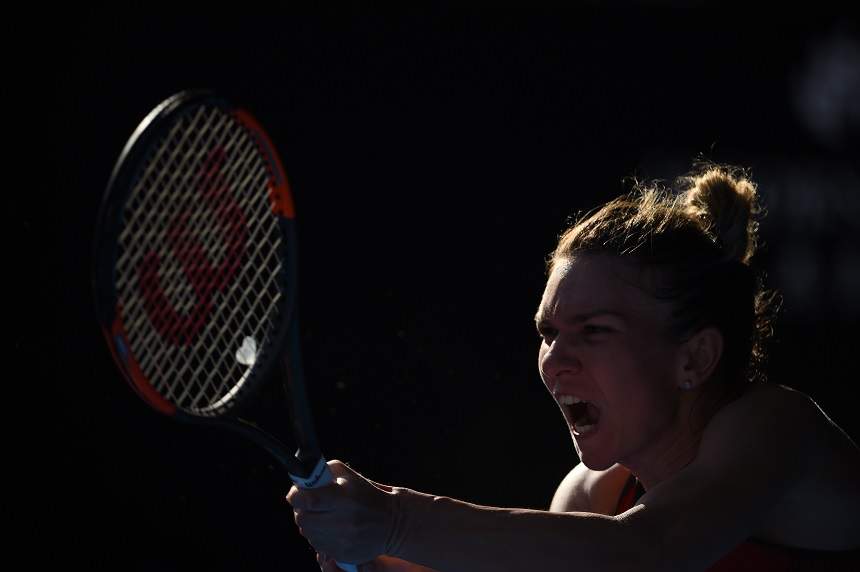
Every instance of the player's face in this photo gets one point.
(605, 342)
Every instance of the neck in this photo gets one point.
(679, 444)
(665, 459)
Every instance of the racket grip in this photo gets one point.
(320, 477)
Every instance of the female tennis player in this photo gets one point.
(652, 328)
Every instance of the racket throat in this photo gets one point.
(275, 447)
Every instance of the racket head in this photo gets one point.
(194, 258)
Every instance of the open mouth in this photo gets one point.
(583, 415)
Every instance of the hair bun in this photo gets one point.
(724, 200)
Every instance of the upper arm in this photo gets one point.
(751, 453)
(572, 493)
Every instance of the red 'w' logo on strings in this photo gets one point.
(183, 239)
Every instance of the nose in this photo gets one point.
(557, 361)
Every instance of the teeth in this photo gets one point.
(583, 429)
(569, 399)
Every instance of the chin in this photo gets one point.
(596, 464)
(594, 460)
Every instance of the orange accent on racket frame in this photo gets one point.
(132, 368)
(279, 190)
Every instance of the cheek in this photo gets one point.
(541, 354)
(645, 403)
(650, 364)
(635, 387)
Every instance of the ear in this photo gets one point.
(699, 357)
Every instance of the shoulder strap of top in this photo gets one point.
(629, 494)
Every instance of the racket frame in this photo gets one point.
(304, 463)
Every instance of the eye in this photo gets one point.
(546, 333)
(592, 329)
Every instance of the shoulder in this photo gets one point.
(756, 439)
(819, 507)
(774, 416)
(587, 490)
(764, 405)
(755, 455)
(772, 396)
(794, 406)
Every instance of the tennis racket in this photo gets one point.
(195, 275)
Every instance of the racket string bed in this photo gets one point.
(151, 205)
(186, 385)
(208, 339)
(233, 299)
(213, 369)
(157, 211)
(169, 167)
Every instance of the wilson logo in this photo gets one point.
(186, 244)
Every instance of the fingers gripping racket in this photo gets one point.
(195, 274)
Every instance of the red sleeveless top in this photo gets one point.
(759, 556)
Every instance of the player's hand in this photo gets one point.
(349, 520)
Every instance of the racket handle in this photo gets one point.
(320, 477)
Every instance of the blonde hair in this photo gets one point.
(700, 237)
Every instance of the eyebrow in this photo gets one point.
(540, 318)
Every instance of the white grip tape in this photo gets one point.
(320, 477)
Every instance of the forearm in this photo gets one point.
(452, 536)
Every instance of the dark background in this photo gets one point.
(434, 160)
